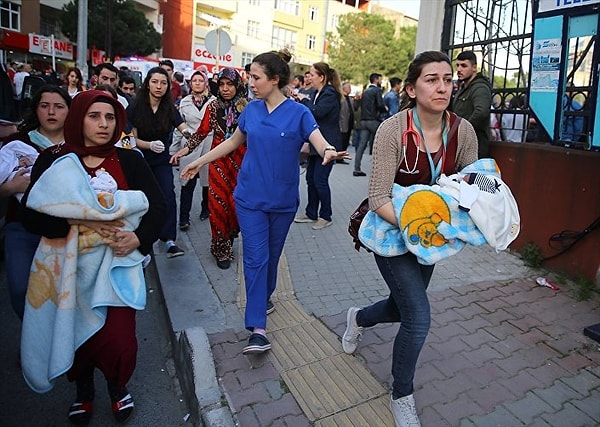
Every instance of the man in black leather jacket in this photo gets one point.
(371, 108)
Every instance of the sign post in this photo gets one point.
(217, 42)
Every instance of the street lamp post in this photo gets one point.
(82, 37)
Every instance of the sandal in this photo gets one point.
(80, 413)
(123, 408)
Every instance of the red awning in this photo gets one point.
(14, 41)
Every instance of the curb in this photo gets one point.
(192, 354)
(196, 370)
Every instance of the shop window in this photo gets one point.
(10, 16)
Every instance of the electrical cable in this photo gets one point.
(566, 239)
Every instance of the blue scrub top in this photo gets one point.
(270, 176)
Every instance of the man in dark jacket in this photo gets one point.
(371, 107)
(474, 99)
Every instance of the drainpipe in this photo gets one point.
(326, 18)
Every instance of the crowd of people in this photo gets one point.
(242, 137)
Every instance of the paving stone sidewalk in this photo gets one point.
(501, 351)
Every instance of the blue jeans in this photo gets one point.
(264, 235)
(407, 304)
(163, 173)
(19, 248)
(319, 193)
(367, 133)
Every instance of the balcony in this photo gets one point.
(222, 7)
(288, 20)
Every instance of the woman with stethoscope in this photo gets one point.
(414, 146)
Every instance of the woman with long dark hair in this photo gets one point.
(325, 106)
(221, 118)
(74, 82)
(192, 108)
(153, 117)
(42, 127)
(411, 147)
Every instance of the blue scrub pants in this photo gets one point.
(19, 248)
(263, 237)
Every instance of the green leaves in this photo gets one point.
(130, 32)
(368, 44)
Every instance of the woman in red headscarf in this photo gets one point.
(93, 126)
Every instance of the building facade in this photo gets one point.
(30, 32)
(256, 26)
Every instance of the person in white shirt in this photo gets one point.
(514, 126)
(23, 71)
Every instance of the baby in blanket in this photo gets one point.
(16, 156)
(105, 186)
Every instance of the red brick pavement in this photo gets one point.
(506, 350)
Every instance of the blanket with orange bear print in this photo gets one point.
(472, 207)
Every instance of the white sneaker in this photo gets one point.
(321, 223)
(146, 261)
(405, 411)
(353, 332)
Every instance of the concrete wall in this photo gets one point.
(30, 17)
(557, 189)
(429, 33)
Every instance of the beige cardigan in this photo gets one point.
(387, 155)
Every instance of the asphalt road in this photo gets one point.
(154, 385)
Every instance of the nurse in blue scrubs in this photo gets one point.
(267, 195)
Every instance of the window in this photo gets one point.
(313, 13)
(9, 16)
(283, 37)
(247, 58)
(49, 26)
(252, 30)
(311, 42)
(288, 6)
(335, 21)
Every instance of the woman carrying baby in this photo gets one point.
(93, 126)
(42, 128)
(414, 146)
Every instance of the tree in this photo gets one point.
(366, 44)
(114, 26)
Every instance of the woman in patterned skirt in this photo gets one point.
(222, 117)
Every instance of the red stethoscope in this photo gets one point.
(416, 137)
